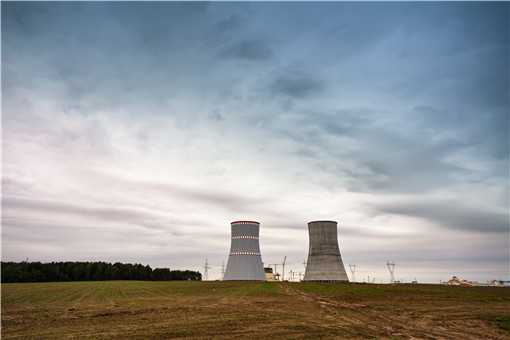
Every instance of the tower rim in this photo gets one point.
(323, 221)
(244, 222)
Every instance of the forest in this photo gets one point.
(89, 271)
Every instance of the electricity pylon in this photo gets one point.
(391, 269)
(206, 270)
(352, 267)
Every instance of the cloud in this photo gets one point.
(16, 207)
(452, 215)
(232, 23)
(297, 85)
(253, 50)
(218, 198)
(354, 231)
(141, 139)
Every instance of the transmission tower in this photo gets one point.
(352, 267)
(206, 270)
(391, 269)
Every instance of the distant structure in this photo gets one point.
(244, 261)
(457, 281)
(324, 259)
(353, 272)
(206, 270)
(269, 274)
(391, 269)
(283, 268)
(498, 283)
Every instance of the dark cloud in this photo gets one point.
(470, 127)
(232, 23)
(452, 215)
(297, 85)
(216, 115)
(253, 50)
(343, 230)
(218, 198)
(13, 207)
(228, 200)
(381, 158)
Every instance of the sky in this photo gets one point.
(136, 132)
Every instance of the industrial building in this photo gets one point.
(324, 259)
(244, 261)
(270, 276)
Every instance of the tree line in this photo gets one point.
(89, 271)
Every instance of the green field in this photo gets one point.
(139, 309)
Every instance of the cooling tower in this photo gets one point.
(244, 261)
(324, 259)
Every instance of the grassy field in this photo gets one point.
(135, 309)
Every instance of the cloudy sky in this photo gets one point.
(136, 132)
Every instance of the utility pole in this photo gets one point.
(391, 269)
(283, 268)
(352, 267)
(206, 270)
(222, 269)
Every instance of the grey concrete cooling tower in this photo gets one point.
(324, 259)
(244, 261)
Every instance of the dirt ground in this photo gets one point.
(136, 309)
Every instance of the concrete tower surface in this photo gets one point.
(324, 259)
(244, 261)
